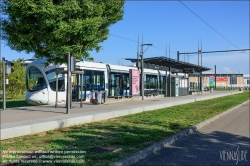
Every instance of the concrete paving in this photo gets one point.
(30, 120)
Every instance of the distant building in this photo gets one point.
(221, 80)
(246, 79)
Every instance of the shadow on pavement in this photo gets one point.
(216, 148)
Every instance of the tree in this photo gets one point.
(16, 84)
(54, 28)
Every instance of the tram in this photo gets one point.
(114, 80)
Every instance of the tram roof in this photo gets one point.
(167, 62)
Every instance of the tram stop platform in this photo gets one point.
(21, 121)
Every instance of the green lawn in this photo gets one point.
(14, 103)
(226, 88)
(19, 102)
(130, 133)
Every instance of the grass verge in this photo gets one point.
(10, 103)
(15, 103)
(226, 88)
(95, 143)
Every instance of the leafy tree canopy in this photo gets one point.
(16, 84)
(53, 28)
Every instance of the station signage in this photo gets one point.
(155, 67)
(174, 70)
(188, 70)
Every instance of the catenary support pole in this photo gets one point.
(81, 89)
(4, 88)
(142, 71)
(56, 89)
(169, 81)
(166, 84)
(215, 76)
(142, 76)
(68, 85)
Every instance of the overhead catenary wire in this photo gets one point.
(124, 38)
(137, 42)
(208, 24)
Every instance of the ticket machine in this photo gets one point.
(174, 87)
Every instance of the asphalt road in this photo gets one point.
(223, 142)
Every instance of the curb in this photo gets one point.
(140, 155)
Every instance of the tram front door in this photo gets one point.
(116, 88)
(81, 89)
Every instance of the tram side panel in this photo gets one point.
(94, 80)
(97, 77)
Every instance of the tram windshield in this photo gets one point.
(51, 76)
(35, 80)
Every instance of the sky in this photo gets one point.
(173, 26)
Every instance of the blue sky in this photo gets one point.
(164, 23)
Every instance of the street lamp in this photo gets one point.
(142, 66)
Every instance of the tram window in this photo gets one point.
(125, 84)
(112, 79)
(51, 76)
(151, 82)
(98, 80)
(162, 82)
(87, 79)
(94, 80)
(35, 80)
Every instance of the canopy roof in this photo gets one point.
(183, 67)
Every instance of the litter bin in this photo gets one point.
(93, 98)
(97, 97)
(103, 97)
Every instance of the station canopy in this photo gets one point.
(162, 63)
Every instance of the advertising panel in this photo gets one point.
(211, 81)
(221, 79)
(134, 81)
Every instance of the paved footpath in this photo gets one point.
(30, 120)
(223, 142)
